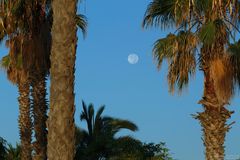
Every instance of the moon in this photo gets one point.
(133, 58)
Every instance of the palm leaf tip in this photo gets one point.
(159, 13)
(124, 124)
(81, 22)
(5, 62)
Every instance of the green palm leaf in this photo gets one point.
(81, 21)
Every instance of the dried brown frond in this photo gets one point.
(223, 79)
(16, 75)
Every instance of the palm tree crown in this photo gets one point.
(100, 137)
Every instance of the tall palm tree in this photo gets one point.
(18, 76)
(61, 126)
(207, 25)
(39, 69)
(32, 45)
(99, 141)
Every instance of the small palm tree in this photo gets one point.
(99, 140)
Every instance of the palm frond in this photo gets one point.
(118, 124)
(179, 50)
(5, 62)
(171, 13)
(81, 21)
(234, 53)
(164, 48)
(159, 13)
(212, 31)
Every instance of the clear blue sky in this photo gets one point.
(135, 92)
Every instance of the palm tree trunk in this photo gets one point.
(61, 127)
(39, 105)
(213, 121)
(25, 122)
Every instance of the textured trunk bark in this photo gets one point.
(214, 132)
(213, 121)
(39, 107)
(25, 122)
(61, 127)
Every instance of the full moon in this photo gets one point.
(133, 58)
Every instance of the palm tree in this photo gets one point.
(34, 51)
(39, 69)
(99, 141)
(207, 25)
(61, 126)
(19, 77)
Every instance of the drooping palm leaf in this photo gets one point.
(81, 21)
(234, 51)
(180, 51)
(159, 13)
(99, 139)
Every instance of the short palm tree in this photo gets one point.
(207, 25)
(99, 141)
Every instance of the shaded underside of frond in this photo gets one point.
(234, 54)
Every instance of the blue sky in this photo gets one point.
(136, 92)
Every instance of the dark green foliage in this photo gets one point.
(81, 21)
(13, 153)
(100, 142)
(3, 148)
(9, 152)
(234, 51)
(132, 149)
(99, 139)
(156, 151)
